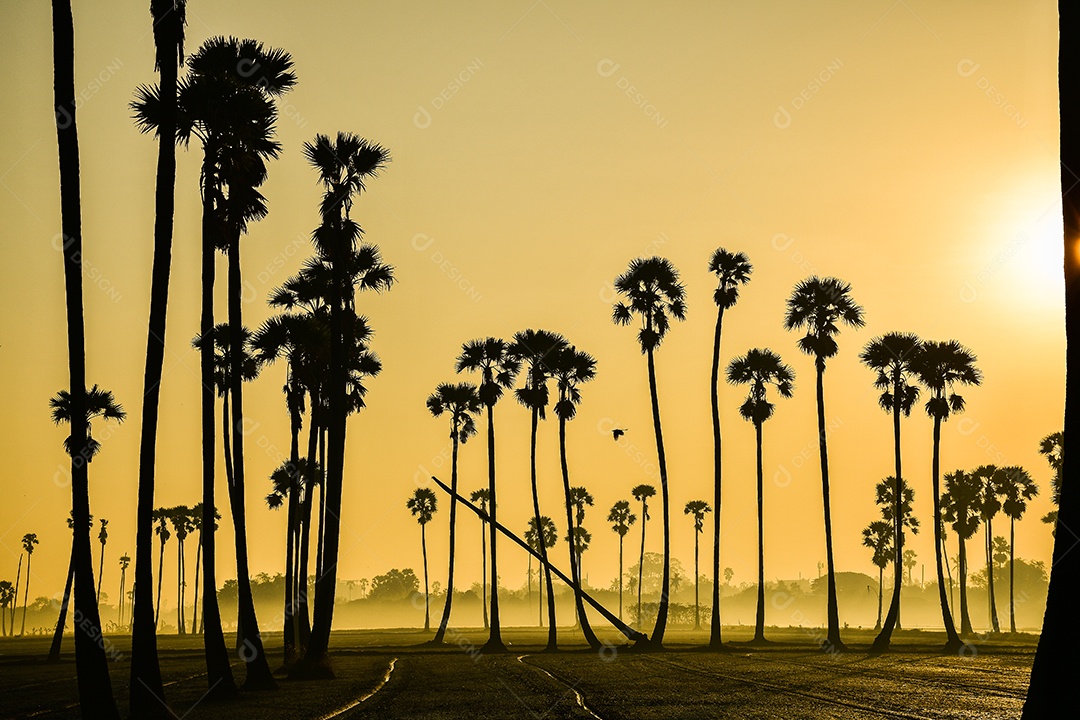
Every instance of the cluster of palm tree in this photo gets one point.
(180, 521)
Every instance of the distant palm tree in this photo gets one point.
(892, 358)
(940, 367)
(481, 497)
(961, 505)
(29, 540)
(550, 536)
(642, 493)
(697, 508)
(125, 561)
(621, 519)
(731, 270)
(760, 368)
(180, 517)
(423, 504)
(886, 498)
(103, 537)
(491, 358)
(7, 598)
(991, 480)
(58, 632)
(652, 291)
(1017, 487)
(535, 349)
(462, 404)
(1052, 447)
(161, 517)
(821, 305)
(878, 536)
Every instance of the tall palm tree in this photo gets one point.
(288, 485)
(535, 349)
(7, 598)
(146, 689)
(29, 540)
(462, 404)
(878, 536)
(697, 508)
(731, 271)
(892, 357)
(760, 369)
(1017, 487)
(125, 561)
(961, 505)
(621, 518)
(571, 368)
(652, 292)
(642, 493)
(821, 305)
(1052, 447)
(103, 537)
(990, 480)
(491, 357)
(481, 496)
(547, 536)
(940, 367)
(161, 517)
(423, 504)
(180, 518)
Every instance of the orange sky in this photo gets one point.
(909, 148)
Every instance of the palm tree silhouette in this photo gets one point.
(878, 536)
(642, 493)
(125, 561)
(161, 517)
(180, 518)
(550, 536)
(481, 497)
(621, 519)
(893, 505)
(15, 599)
(652, 291)
(535, 350)
(961, 505)
(287, 481)
(491, 358)
(941, 366)
(423, 504)
(29, 540)
(820, 305)
(759, 369)
(58, 632)
(462, 404)
(731, 271)
(697, 508)
(991, 481)
(7, 599)
(103, 537)
(195, 515)
(571, 368)
(1052, 447)
(1017, 487)
(892, 358)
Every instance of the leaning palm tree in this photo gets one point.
(961, 506)
(990, 480)
(423, 504)
(480, 496)
(29, 540)
(642, 493)
(940, 367)
(731, 270)
(1017, 487)
(878, 536)
(491, 358)
(621, 518)
(652, 292)
(462, 404)
(697, 508)
(820, 305)
(572, 368)
(535, 349)
(58, 632)
(1052, 447)
(891, 357)
(760, 369)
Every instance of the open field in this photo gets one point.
(383, 674)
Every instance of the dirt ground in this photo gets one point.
(384, 674)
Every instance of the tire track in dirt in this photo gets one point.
(577, 694)
(365, 697)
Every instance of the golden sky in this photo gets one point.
(908, 147)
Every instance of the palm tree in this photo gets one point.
(180, 518)
(961, 505)
(547, 536)
(893, 506)
(287, 481)
(58, 632)
(1052, 447)
(7, 598)
(878, 536)
(423, 504)
(891, 357)
(621, 519)
(15, 599)
(821, 305)
(498, 367)
(29, 540)
(481, 497)
(652, 291)
(535, 349)
(103, 537)
(697, 508)
(195, 515)
(642, 493)
(731, 270)
(462, 404)
(571, 368)
(161, 517)
(941, 366)
(759, 369)
(125, 561)
(991, 480)
(1017, 487)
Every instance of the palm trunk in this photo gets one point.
(759, 622)
(15, 595)
(965, 620)
(552, 641)
(179, 586)
(575, 558)
(195, 603)
(288, 632)
(161, 563)
(483, 570)
(892, 620)
(427, 597)
(494, 643)
(26, 594)
(322, 505)
(1012, 562)
(697, 576)
(952, 641)
(880, 581)
(641, 559)
(990, 575)
(120, 604)
(58, 633)
(833, 638)
(657, 638)
(621, 537)
(445, 620)
(304, 530)
(715, 640)
(101, 574)
(948, 569)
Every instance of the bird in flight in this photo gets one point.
(618, 433)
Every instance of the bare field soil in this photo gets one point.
(387, 674)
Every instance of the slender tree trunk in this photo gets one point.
(288, 632)
(494, 643)
(195, 603)
(483, 570)
(322, 503)
(445, 620)
(952, 642)
(697, 576)
(892, 620)
(641, 559)
(179, 586)
(621, 537)
(833, 639)
(101, 574)
(15, 596)
(657, 638)
(948, 569)
(427, 596)
(120, 604)
(26, 593)
(759, 622)
(880, 581)
(552, 641)
(304, 530)
(575, 558)
(990, 575)
(965, 620)
(161, 563)
(1012, 562)
(715, 640)
(58, 633)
